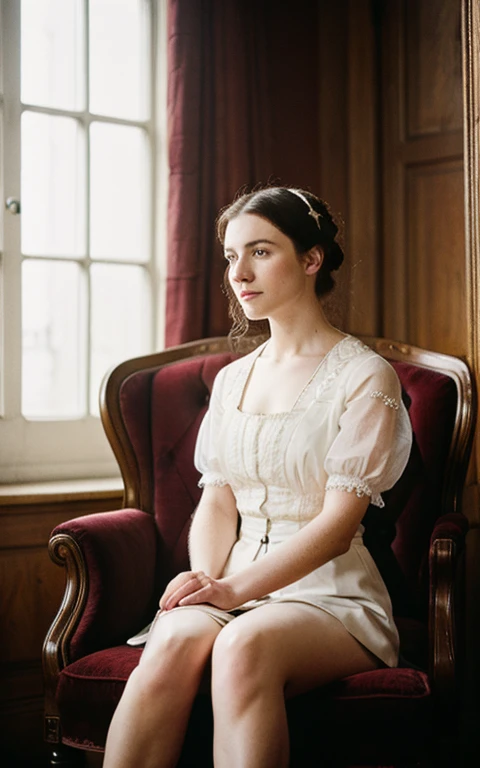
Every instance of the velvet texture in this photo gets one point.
(131, 554)
(241, 74)
(90, 688)
(119, 549)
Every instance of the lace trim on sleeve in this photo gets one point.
(350, 484)
(212, 478)
(390, 402)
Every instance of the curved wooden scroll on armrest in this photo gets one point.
(446, 549)
(63, 550)
(110, 561)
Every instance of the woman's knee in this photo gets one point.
(241, 662)
(175, 650)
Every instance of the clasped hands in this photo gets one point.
(193, 587)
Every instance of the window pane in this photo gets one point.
(119, 194)
(120, 319)
(52, 73)
(119, 54)
(53, 321)
(2, 194)
(53, 186)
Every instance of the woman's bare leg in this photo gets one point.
(260, 657)
(148, 728)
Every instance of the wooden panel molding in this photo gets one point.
(423, 214)
(433, 67)
(471, 100)
(436, 257)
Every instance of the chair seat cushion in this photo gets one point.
(90, 688)
(89, 691)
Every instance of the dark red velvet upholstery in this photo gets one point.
(120, 553)
(89, 690)
(432, 412)
(177, 398)
(131, 554)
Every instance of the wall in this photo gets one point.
(391, 162)
(31, 591)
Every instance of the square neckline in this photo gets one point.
(276, 414)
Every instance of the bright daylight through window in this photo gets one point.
(82, 253)
(85, 199)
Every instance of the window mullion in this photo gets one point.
(12, 265)
(161, 167)
(88, 313)
(86, 117)
(153, 177)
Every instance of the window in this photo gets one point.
(79, 251)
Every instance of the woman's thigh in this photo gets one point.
(296, 645)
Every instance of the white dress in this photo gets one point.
(348, 430)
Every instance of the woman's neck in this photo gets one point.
(307, 334)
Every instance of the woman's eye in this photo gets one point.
(230, 256)
(260, 252)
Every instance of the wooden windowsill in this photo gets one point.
(66, 490)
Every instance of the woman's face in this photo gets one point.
(265, 272)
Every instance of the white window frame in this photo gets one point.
(67, 449)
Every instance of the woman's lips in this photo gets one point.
(248, 295)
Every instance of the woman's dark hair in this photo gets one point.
(287, 211)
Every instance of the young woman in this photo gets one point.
(302, 434)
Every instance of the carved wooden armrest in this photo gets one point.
(110, 564)
(446, 564)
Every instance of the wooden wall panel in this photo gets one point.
(435, 257)
(424, 286)
(433, 67)
(30, 592)
(349, 156)
(471, 73)
(363, 230)
(30, 595)
(471, 83)
(333, 135)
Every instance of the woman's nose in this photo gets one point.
(241, 271)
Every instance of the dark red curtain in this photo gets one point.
(242, 110)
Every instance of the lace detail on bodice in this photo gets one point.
(336, 361)
(280, 464)
(326, 372)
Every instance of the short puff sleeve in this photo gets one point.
(206, 448)
(372, 447)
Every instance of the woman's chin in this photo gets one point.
(250, 314)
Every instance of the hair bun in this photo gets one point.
(334, 257)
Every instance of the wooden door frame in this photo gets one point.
(471, 101)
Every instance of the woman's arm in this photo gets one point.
(212, 535)
(213, 531)
(323, 538)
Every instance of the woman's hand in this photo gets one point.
(194, 587)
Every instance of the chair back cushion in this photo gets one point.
(416, 501)
(163, 408)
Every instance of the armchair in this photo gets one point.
(117, 563)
